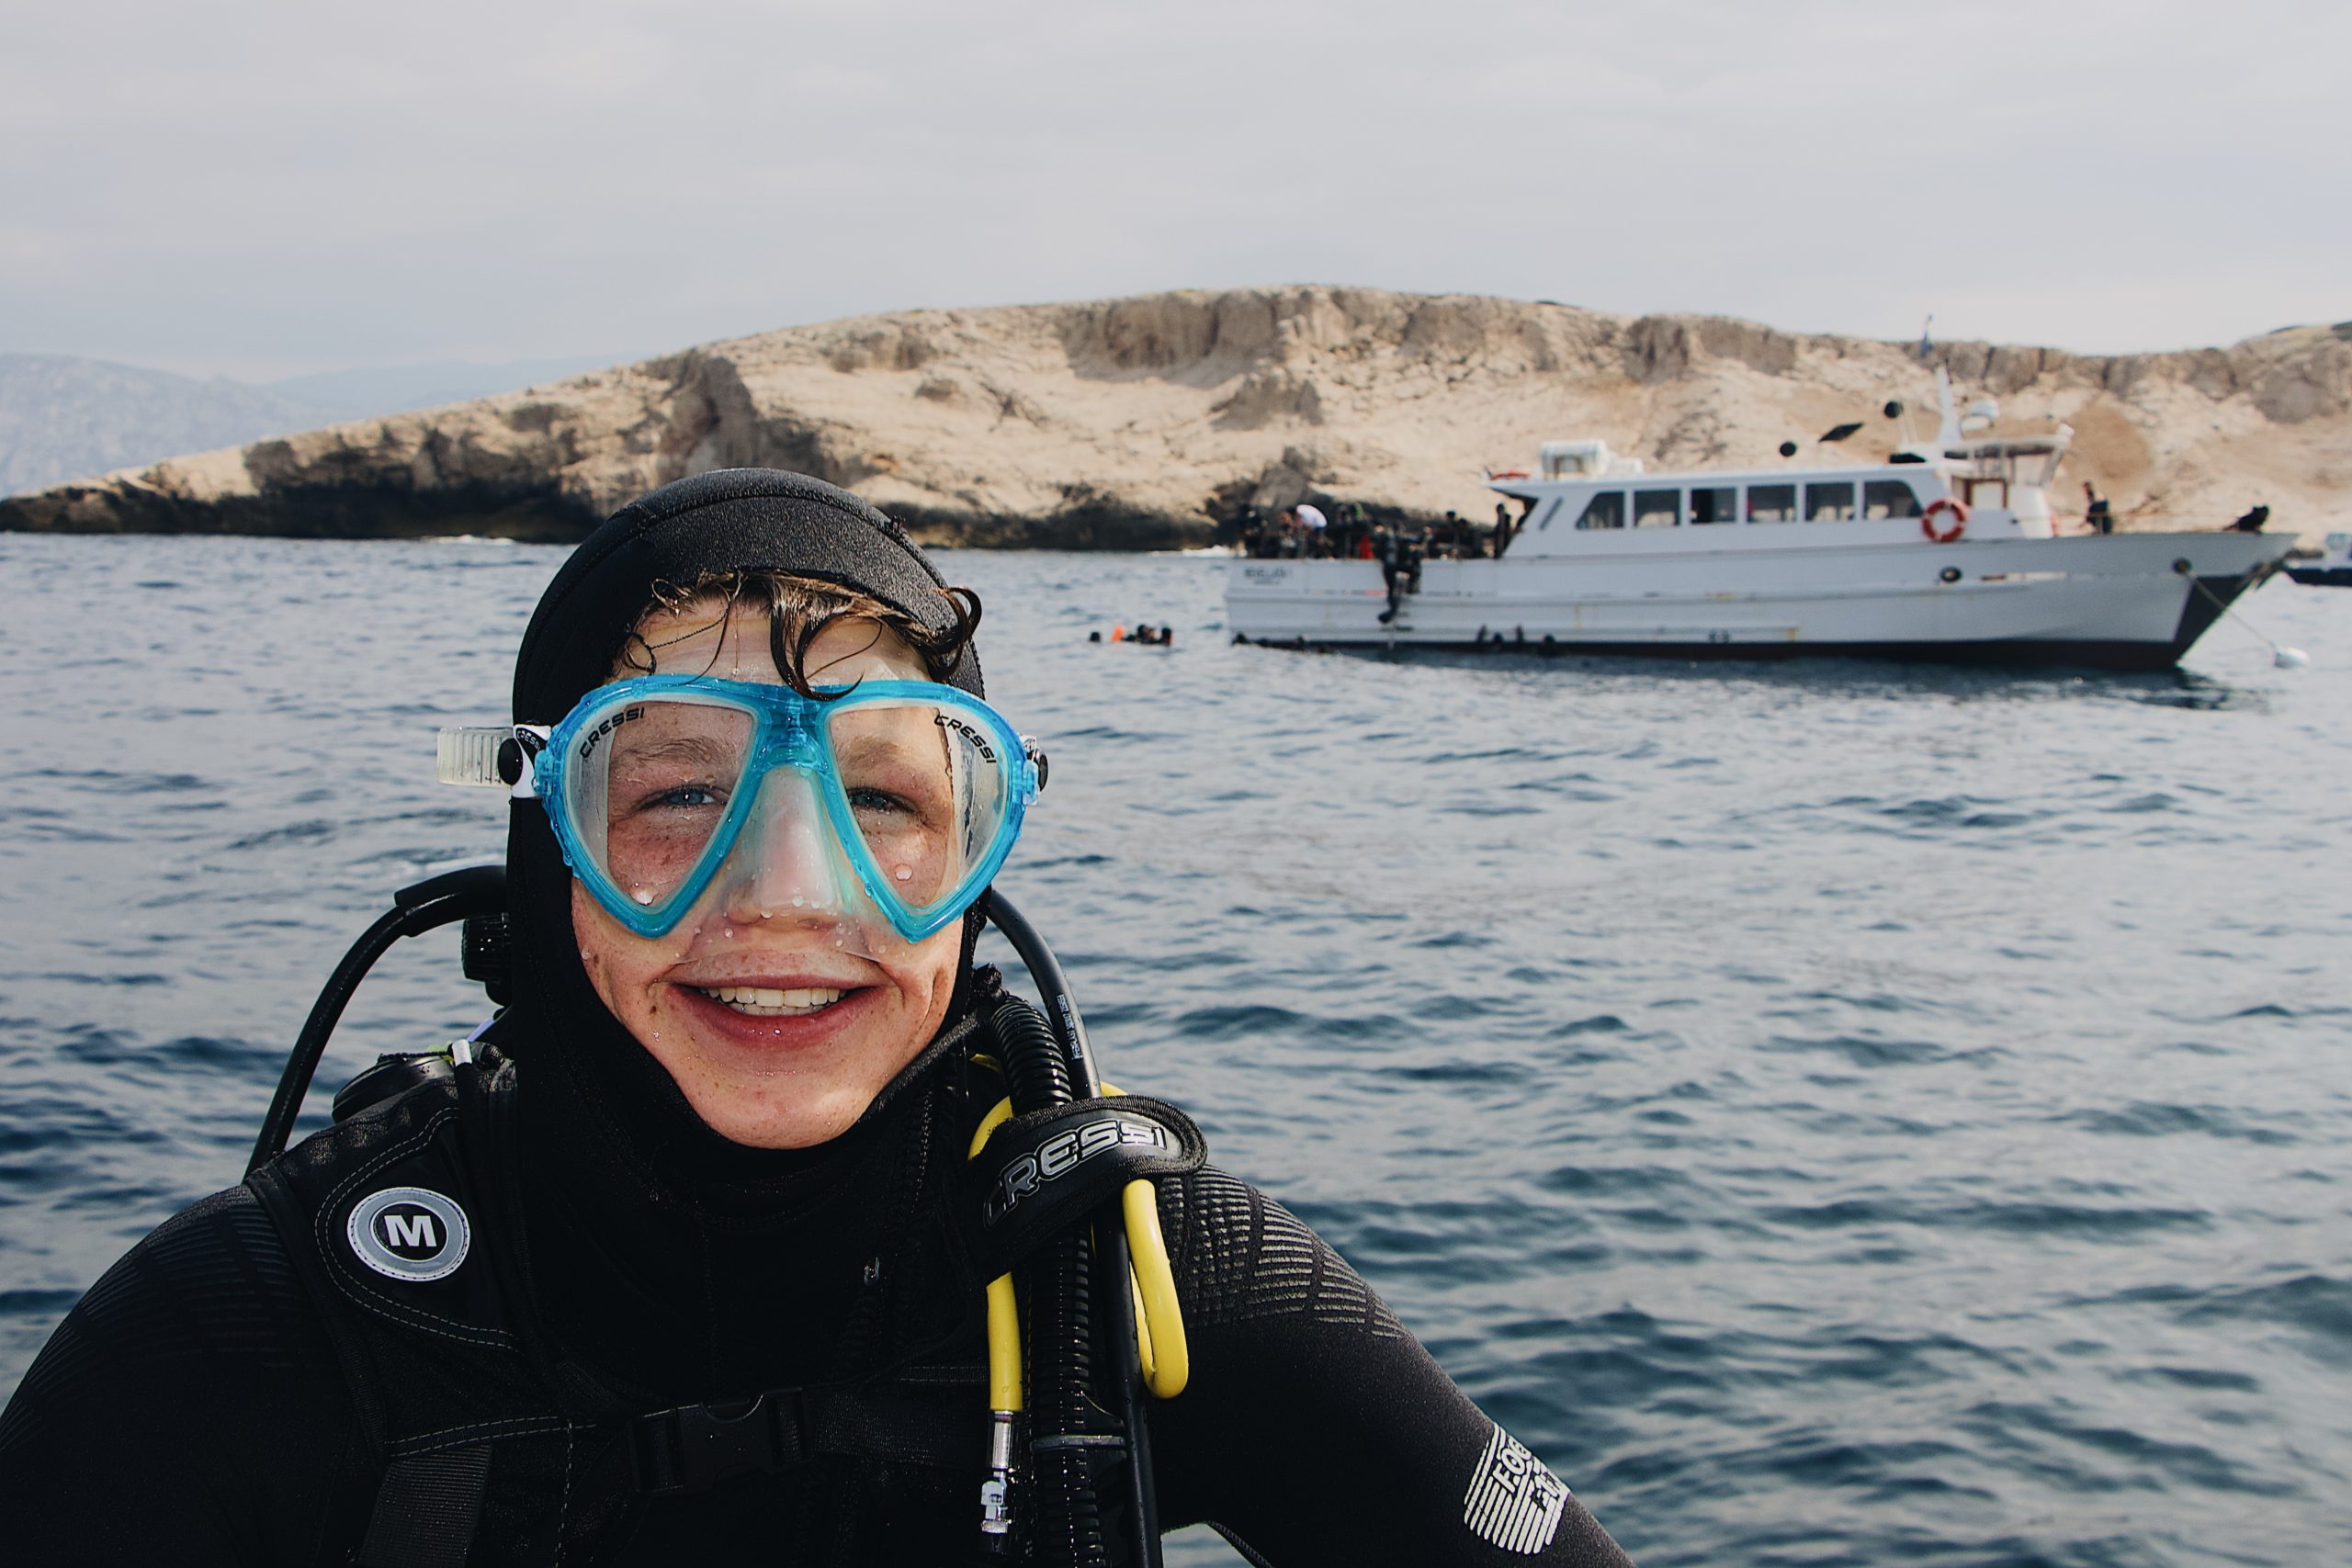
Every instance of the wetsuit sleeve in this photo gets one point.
(188, 1410)
(1316, 1431)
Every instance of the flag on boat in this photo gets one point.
(1925, 347)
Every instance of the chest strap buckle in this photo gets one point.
(695, 1447)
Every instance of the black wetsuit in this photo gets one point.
(190, 1409)
(198, 1406)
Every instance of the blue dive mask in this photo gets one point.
(899, 798)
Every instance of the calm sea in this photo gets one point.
(1834, 1113)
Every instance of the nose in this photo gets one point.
(784, 862)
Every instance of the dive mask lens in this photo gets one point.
(649, 786)
(930, 786)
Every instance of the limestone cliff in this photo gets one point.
(1137, 422)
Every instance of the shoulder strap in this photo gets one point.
(426, 1510)
(427, 1356)
(292, 1224)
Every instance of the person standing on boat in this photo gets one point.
(1311, 526)
(2096, 512)
(677, 1261)
(1388, 540)
(1250, 531)
(1404, 569)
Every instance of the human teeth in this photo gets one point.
(770, 1001)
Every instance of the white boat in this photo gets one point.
(2333, 568)
(1947, 550)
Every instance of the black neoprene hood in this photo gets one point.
(734, 520)
(603, 1111)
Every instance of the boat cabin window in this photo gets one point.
(1714, 503)
(1984, 492)
(1829, 502)
(1890, 497)
(1771, 504)
(1606, 510)
(1657, 509)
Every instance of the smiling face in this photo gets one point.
(777, 1028)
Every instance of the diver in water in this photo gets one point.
(686, 1256)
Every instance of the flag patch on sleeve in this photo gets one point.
(1513, 1502)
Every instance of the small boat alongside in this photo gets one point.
(2333, 568)
(1947, 550)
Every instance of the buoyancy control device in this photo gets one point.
(1062, 1213)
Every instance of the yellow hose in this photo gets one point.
(1005, 1308)
(1004, 1345)
(1159, 1325)
(1160, 1344)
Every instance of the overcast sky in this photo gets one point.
(256, 188)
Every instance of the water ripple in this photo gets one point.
(1836, 1115)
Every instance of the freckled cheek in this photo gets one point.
(623, 979)
(924, 987)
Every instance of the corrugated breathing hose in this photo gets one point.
(1073, 1438)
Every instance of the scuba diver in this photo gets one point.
(759, 1223)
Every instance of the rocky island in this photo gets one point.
(1142, 422)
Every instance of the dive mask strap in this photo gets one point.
(500, 756)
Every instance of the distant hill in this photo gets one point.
(1141, 423)
(66, 418)
(63, 418)
(397, 389)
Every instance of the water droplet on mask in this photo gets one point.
(644, 898)
(904, 874)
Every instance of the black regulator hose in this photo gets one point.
(436, 901)
(1067, 1429)
(1071, 1435)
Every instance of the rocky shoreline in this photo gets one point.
(1140, 424)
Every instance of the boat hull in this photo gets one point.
(2132, 601)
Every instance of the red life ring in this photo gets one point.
(1959, 510)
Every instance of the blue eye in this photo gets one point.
(876, 800)
(684, 797)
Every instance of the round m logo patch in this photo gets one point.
(408, 1232)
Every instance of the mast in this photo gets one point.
(1948, 433)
